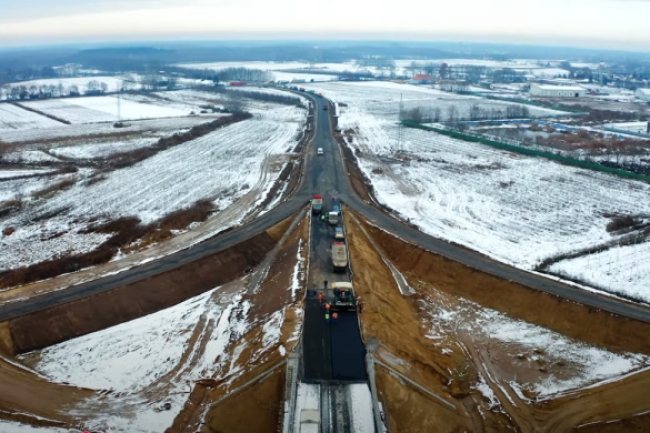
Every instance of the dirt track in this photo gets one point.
(393, 324)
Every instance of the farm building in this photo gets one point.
(421, 79)
(550, 91)
(643, 94)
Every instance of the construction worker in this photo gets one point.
(320, 297)
(335, 316)
(327, 317)
(327, 307)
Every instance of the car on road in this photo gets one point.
(338, 234)
(319, 150)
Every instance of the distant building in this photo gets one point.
(550, 91)
(643, 94)
(421, 79)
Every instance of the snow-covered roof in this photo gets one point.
(566, 88)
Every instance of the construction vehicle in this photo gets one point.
(316, 204)
(339, 257)
(334, 215)
(344, 297)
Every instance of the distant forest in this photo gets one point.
(17, 65)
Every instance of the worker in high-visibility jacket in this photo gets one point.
(327, 307)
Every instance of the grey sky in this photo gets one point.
(597, 23)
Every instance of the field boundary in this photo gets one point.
(529, 152)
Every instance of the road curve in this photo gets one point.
(327, 175)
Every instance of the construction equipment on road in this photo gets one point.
(317, 204)
(344, 297)
(335, 211)
(339, 257)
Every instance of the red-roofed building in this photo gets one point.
(421, 79)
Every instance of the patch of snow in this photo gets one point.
(623, 268)
(14, 427)
(487, 392)
(362, 416)
(102, 149)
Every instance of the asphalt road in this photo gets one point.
(326, 175)
(331, 351)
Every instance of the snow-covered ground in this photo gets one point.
(13, 117)
(516, 209)
(570, 364)
(39, 241)
(14, 427)
(222, 166)
(162, 127)
(130, 358)
(102, 109)
(28, 156)
(382, 99)
(10, 174)
(102, 149)
(625, 269)
(641, 127)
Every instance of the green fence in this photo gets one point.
(530, 152)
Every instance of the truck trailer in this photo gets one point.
(317, 204)
(339, 257)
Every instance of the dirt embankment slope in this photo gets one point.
(258, 407)
(568, 318)
(397, 329)
(53, 325)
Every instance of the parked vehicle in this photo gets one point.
(344, 297)
(339, 257)
(317, 204)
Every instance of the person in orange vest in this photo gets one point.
(335, 316)
(320, 297)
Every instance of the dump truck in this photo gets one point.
(339, 257)
(344, 297)
(335, 212)
(317, 204)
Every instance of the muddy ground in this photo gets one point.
(397, 328)
(28, 397)
(263, 398)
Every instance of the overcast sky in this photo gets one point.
(623, 24)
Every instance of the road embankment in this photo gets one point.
(66, 321)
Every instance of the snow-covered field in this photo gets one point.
(102, 109)
(530, 346)
(381, 99)
(37, 242)
(13, 117)
(102, 149)
(625, 269)
(223, 166)
(516, 209)
(162, 127)
(130, 358)
(10, 174)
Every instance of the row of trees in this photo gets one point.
(475, 113)
(22, 91)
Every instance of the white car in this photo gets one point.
(319, 150)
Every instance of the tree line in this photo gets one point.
(475, 113)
